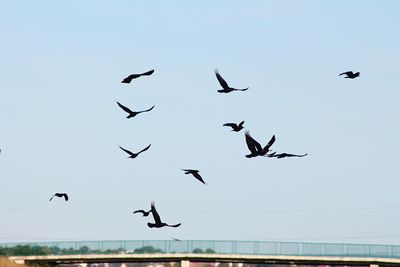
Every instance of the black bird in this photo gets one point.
(145, 213)
(134, 155)
(195, 173)
(255, 147)
(134, 76)
(235, 127)
(64, 195)
(350, 74)
(284, 155)
(132, 113)
(175, 239)
(225, 86)
(157, 219)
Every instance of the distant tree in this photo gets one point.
(210, 251)
(198, 250)
(147, 249)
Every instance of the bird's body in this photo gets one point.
(350, 74)
(235, 127)
(64, 195)
(134, 155)
(195, 173)
(225, 86)
(255, 147)
(284, 155)
(131, 113)
(134, 76)
(157, 220)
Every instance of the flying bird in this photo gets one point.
(284, 155)
(134, 76)
(235, 127)
(255, 147)
(64, 195)
(350, 74)
(131, 113)
(144, 213)
(157, 220)
(225, 86)
(134, 155)
(195, 173)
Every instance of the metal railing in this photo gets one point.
(200, 246)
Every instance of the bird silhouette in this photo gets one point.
(225, 86)
(284, 155)
(350, 74)
(235, 127)
(157, 220)
(134, 155)
(64, 195)
(132, 113)
(255, 147)
(144, 213)
(195, 173)
(134, 76)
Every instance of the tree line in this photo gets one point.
(27, 250)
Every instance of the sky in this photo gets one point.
(61, 66)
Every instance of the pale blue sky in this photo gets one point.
(62, 63)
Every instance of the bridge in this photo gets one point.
(197, 253)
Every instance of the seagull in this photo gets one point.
(255, 147)
(284, 155)
(157, 219)
(60, 195)
(132, 113)
(225, 86)
(350, 74)
(134, 155)
(134, 76)
(195, 173)
(145, 213)
(235, 127)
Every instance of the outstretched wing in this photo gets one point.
(147, 73)
(241, 123)
(189, 170)
(127, 151)
(174, 225)
(145, 213)
(156, 217)
(124, 108)
(147, 109)
(144, 149)
(65, 197)
(241, 89)
(252, 144)
(198, 177)
(233, 125)
(52, 197)
(347, 73)
(270, 143)
(284, 155)
(221, 80)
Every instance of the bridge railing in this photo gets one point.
(200, 246)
